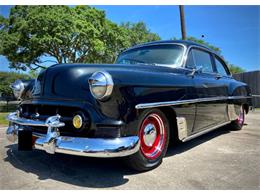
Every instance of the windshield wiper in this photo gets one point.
(134, 61)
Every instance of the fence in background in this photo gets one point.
(8, 106)
(253, 81)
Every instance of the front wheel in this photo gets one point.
(239, 122)
(154, 139)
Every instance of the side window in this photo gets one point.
(203, 59)
(190, 61)
(220, 67)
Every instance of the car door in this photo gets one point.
(211, 94)
(224, 77)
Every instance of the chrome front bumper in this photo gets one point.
(52, 142)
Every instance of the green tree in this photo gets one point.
(235, 69)
(64, 34)
(202, 42)
(33, 73)
(139, 33)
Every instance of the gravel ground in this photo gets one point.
(221, 159)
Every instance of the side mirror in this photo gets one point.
(199, 69)
(196, 69)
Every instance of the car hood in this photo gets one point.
(70, 81)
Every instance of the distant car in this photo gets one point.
(155, 93)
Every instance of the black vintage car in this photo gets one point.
(155, 93)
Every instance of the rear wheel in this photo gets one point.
(154, 139)
(239, 122)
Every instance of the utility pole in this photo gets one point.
(183, 29)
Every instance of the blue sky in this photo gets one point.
(234, 29)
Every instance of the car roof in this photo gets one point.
(183, 42)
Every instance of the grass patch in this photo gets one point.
(3, 121)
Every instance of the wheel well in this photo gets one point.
(171, 116)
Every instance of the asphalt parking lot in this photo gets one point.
(221, 159)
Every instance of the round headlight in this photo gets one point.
(101, 85)
(17, 87)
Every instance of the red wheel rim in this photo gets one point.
(152, 136)
(241, 116)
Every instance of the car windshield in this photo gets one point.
(164, 54)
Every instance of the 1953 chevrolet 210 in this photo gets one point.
(155, 93)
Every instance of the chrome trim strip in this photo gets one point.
(180, 102)
(203, 132)
(238, 97)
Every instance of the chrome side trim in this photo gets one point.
(180, 102)
(238, 97)
(203, 132)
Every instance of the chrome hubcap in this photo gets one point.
(152, 135)
(149, 134)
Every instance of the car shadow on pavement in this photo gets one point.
(185, 146)
(87, 172)
(73, 170)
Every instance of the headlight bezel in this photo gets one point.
(101, 79)
(18, 88)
